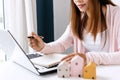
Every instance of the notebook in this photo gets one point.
(21, 58)
(48, 61)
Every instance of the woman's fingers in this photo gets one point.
(38, 38)
(36, 42)
(68, 56)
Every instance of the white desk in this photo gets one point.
(12, 71)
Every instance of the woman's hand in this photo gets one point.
(36, 42)
(68, 57)
(71, 55)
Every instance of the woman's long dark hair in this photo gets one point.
(79, 20)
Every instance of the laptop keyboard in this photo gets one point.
(41, 69)
(31, 56)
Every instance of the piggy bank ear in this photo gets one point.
(63, 69)
(77, 64)
(90, 71)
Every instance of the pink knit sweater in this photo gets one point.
(105, 58)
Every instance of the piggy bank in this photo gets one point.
(89, 71)
(63, 69)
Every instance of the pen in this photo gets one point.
(33, 37)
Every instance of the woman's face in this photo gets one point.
(82, 4)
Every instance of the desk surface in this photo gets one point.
(12, 71)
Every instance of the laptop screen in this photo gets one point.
(6, 43)
(9, 44)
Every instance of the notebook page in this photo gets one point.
(48, 60)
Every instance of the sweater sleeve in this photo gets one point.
(117, 25)
(61, 44)
(103, 58)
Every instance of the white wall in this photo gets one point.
(61, 17)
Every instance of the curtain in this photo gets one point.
(45, 19)
(20, 19)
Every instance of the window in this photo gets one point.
(2, 54)
(1, 15)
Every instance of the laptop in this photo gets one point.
(9, 44)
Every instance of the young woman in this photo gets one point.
(93, 31)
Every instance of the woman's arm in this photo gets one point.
(60, 45)
(102, 58)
